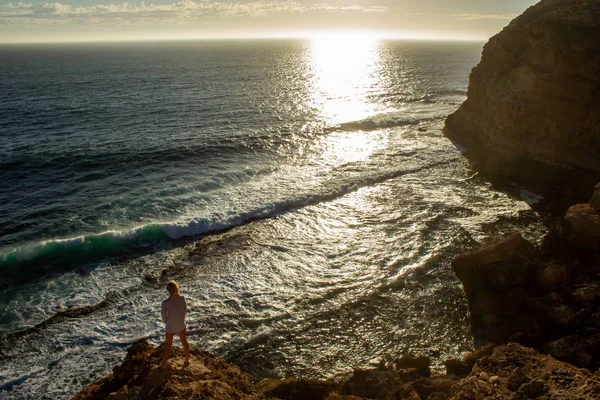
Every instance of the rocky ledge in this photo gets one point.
(501, 372)
(533, 105)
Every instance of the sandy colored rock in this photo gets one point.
(139, 377)
(537, 376)
(533, 101)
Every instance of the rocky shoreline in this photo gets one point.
(507, 371)
(532, 116)
(543, 303)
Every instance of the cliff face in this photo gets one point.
(534, 99)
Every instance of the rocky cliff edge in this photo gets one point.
(533, 102)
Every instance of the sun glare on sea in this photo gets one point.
(344, 78)
(344, 70)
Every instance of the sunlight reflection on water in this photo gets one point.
(343, 71)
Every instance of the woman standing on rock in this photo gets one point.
(173, 312)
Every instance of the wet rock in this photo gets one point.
(496, 278)
(513, 248)
(407, 374)
(457, 367)
(296, 389)
(420, 363)
(371, 383)
(463, 367)
(479, 353)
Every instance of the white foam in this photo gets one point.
(530, 197)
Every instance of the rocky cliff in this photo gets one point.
(510, 371)
(533, 105)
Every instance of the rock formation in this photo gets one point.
(548, 299)
(510, 371)
(140, 377)
(533, 105)
(516, 372)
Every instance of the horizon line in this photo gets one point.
(301, 36)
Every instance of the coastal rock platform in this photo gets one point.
(496, 372)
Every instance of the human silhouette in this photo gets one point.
(173, 311)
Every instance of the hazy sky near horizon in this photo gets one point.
(98, 20)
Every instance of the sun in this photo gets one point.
(344, 70)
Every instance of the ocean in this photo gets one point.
(300, 191)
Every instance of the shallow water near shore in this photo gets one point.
(309, 215)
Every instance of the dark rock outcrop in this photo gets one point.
(533, 101)
(547, 299)
(577, 232)
(496, 278)
(296, 389)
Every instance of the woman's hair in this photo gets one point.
(172, 287)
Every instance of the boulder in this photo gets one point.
(566, 348)
(586, 294)
(296, 389)
(560, 315)
(420, 363)
(496, 278)
(372, 384)
(581, 227)
(463, 367)
(554, 276)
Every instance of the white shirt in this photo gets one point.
(173, 312)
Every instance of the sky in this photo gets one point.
(109, 20)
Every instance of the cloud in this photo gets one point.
(477, 17)
(23, 14)
(19, 6)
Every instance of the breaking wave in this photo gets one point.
(65, 252)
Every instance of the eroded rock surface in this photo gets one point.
(534, 99)
(517, 372)
(140, 377)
